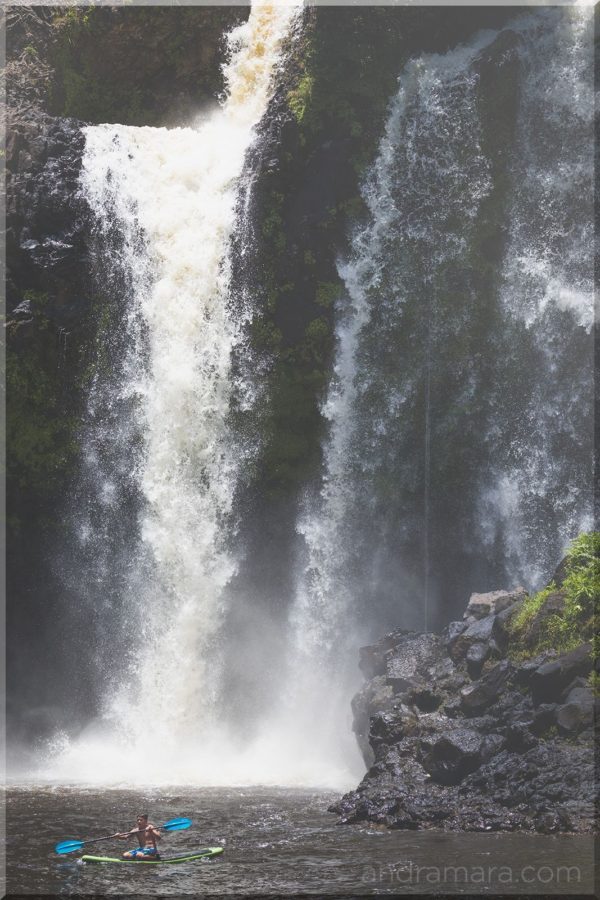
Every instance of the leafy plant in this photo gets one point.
(579, 592)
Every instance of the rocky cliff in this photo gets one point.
(487, 726)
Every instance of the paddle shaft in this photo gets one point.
(70, 846)
(108, 836)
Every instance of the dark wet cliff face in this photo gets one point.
(412, 525)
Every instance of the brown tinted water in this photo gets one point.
(277, 841)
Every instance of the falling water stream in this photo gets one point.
(460, 409)
(165, 201)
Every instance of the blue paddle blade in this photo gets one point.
(176, 824)
(68, 846)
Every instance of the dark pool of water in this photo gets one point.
(277, 841)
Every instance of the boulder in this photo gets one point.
(476, 656)
(577, 713)
(491, 745)
(386, 728)
(549, 680)
(544, 718)
(409, 666)
(372, 659)
(477, 697)
(519, 738)
(451, 632)
(481, 605)
(478, 632)
(449, 757)
(525, 670)
(578, 682)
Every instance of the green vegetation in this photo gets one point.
(299, 97)
(327, 293)
(40, 422)
(594, 681)
(521, 623)
(127, 65)
(47, 375)
(573, 620)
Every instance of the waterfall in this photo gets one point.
(542, 468)
(430, 149)
(166, 202)
(459, 454)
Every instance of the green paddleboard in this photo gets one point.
(205, 853)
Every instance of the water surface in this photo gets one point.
(277, 841)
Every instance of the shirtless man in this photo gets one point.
(147, 835)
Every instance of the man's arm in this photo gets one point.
(154, 832)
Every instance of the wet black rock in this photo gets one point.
(577, 713)
(479, 696)
(478, 632)
(550, 678)
(481, 605)
(476, 656)
(448, 757)
(457, 736)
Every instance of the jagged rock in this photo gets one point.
(458, 754)
(481, 694)
(491, 745)
(373, 659)
(544, 718)
(577, 712)
(525, 670)
(549, 679)
(481, 605)
(476, 656)
(391, 727)
(478, 632)
(578, 682)
(451, 756)
(452, 707)
(408, 666)
(519, 738)
(451, 632)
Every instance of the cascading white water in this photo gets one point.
(547, 289)
(436, 96)
(171, 195)
(324, 619)
(424, 195)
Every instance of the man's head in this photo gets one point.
(142, 820)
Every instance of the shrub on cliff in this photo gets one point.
(561, 616)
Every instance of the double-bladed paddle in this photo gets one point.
(171, 825)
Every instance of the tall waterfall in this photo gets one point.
(165, 203)
(459, 455)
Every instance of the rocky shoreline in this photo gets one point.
(467, 731)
